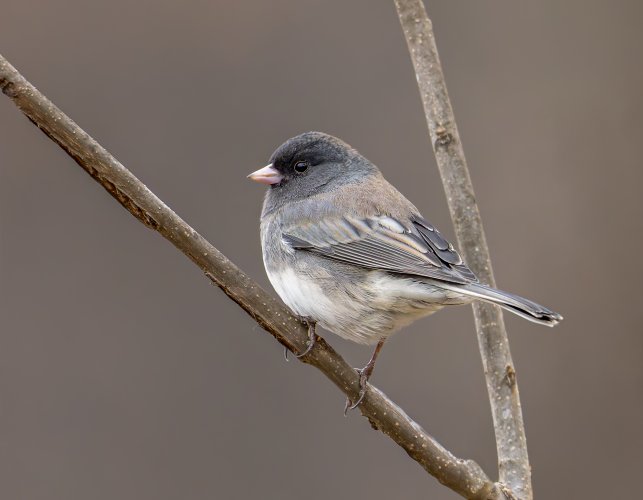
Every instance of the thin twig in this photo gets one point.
(513, 461)
(463, 476)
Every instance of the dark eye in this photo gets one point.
(301, 166)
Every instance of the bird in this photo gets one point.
(344, 249)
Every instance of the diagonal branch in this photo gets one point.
(511, 442)
(463, 476)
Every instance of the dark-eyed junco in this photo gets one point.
(343, 248)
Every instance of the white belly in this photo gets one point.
(389, 303)
(303, 296)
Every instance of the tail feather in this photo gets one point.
(513, 303)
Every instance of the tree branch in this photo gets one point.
(511, 443)
(463, 476)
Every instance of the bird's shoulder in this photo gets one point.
(373, 196)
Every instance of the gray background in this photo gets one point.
(125, 374)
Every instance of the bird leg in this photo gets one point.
(364, 374)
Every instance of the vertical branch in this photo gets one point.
(511, 444)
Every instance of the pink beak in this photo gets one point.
(266, 175)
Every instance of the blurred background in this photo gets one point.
(125, 374)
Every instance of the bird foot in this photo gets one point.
(364, 374)
(312, 338)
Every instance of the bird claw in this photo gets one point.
(310, 343)
(363, 385)
(312, 337)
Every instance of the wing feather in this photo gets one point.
(384, 243)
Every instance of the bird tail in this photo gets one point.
(513, 303)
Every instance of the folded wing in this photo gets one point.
(412, 247)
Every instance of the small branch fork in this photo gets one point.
(463, 476)
(511, 443)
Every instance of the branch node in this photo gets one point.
(443, 137)
(510, 376)
(506, 491)
(8, 88)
